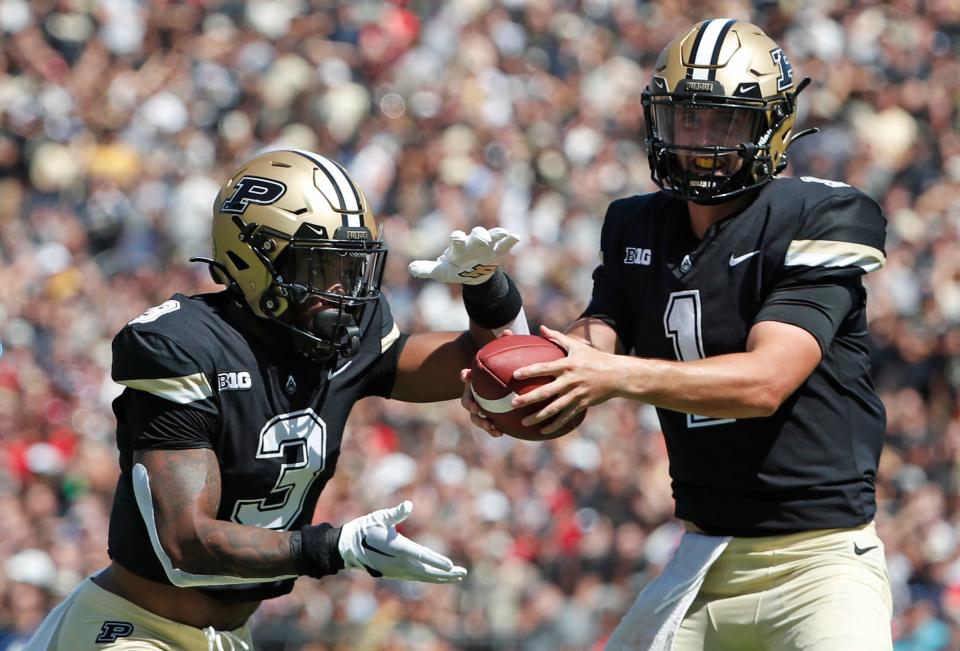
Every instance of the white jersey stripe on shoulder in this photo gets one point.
(833, 253)
(181, 390)
(390, 338)
(708, 42)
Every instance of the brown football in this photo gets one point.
(494, 387)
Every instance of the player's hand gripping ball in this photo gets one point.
(493, 384)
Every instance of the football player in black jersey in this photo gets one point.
(232, 417)
(733, 302)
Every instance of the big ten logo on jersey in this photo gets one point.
(234, 381)
(157, 311)
(111, 631)
(638, 256)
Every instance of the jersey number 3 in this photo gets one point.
(681, 324)
(299, 441)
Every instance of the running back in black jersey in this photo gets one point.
(274, 419)
(796, 254)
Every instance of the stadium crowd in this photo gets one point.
(119, 119)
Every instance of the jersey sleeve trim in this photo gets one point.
(818, 309)
(390, 338)
(833, 253)
(179, 578)
(182, 390)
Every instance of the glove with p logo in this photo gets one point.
(468, 259)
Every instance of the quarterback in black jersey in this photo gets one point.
(733, 302)
(234, 407)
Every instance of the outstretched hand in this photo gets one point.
(468, 259)
(373, 543)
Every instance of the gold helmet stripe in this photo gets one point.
(706, 48)
(339, 185)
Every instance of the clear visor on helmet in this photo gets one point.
(693, 126)
(352, 273)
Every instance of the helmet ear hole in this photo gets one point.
(237, 261)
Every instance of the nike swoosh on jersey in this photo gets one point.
(860, 551)
(334, 373)
(737, 259)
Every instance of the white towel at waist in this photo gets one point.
(654, 619)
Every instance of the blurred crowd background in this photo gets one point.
(119, 120)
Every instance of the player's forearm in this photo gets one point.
(596, 333)
(429, 364)
(226, 548)
(727, 386)
(184, 489)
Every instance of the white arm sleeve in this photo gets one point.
(179, 578)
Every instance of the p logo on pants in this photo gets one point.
(110, 631)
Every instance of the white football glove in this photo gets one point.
(372, 542)
(469, 259)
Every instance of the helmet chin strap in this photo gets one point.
(335, 333)
(340, 327)
(331, 332)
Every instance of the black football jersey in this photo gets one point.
(797, 255)
(196, 377)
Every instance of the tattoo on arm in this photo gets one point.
(186, 495)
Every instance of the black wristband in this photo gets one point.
(314, 550)
(493, 303)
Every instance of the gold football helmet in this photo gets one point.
(291, 227)
(719, 111)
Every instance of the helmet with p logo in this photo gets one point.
(720, 110)
(291, 224)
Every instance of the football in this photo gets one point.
(494, 386)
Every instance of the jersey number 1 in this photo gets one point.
(681, 324)
(304, 434)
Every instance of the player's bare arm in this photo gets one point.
(426, 357)
(185, 485)
(596, 334)
(779, 357)
(221, 389)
